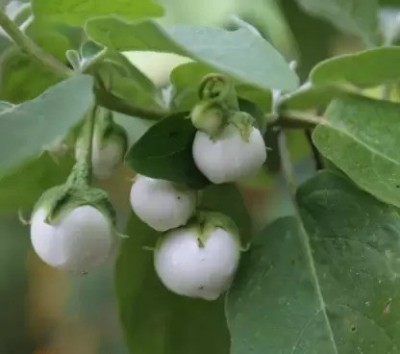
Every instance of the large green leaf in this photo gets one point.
(76, 12)
(5, 105)
(361, 138)
(22, 78)
(156, 321)
(326, 283)
(26, 129)
(363, 69)
(165, 152)
(357, 17)
(268, 18)
(21, 188)
(51, 37)
(241, 54)
(186, 79)
(135, 127)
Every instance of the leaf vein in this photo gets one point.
(306, 242)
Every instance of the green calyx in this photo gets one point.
(204, 224)
(74, 193)
(210, 117)
(217, 99)
(219, 107)
(59, 200)
(244, 122)
(219, 88)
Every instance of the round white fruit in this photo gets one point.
(161, 204)
(155, 65)
(78, 241)
(229, 157)
(106, 157)
(189, 268)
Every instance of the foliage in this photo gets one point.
(324, 279)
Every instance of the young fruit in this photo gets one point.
(107, 154)
(229, 157)
(78, 240)
(198, 261)
(161, 204)
(108, 146)
(208, 117)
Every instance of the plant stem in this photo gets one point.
(81, 175)
(300, 119)
(286, 165)
(91, 120)
(31, 48)
(108, 100)
(297, 120)
(319, 165)
(306, 121)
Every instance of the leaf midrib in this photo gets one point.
(305, 239)
(369, 148)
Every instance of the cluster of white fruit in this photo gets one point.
(190, 260)
(198, 256)
(73, 225)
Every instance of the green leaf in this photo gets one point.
(241, 54)
(120, 79)
(363, 69)
(50, 37)
(186, 79)
(135, 127)
(357, 17)
(26, 129)
(5, 105)
(77, 12)
(268, 18)
(89, 50)
(124, 67)
(361, 138)
(165, 152)
(155, 320)
(311, 97)
(226, 199)
(21, 188)
(22, 78)
(329, 284)
(207, 12)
